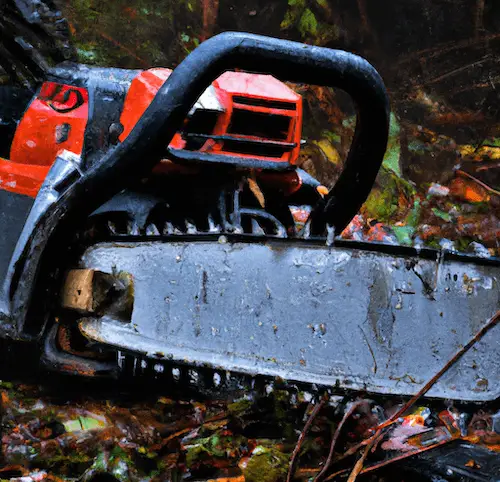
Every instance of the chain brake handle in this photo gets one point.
(145, 145)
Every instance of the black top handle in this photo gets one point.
(54, 218)
(285, 60)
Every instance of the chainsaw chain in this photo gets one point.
(211, 381)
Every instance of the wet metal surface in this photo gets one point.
(332, 316)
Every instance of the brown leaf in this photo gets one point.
(257, 192)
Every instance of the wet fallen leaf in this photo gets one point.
(468, 191)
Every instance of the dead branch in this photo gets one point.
(302, 436)
(478, 24)
(446, 48)
(338, 430)
(210, 14)
(358, 468)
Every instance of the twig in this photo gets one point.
(370, 442)
(190, 428)
(336, 474)
(454, 71)
(447, 47)
(488, 167)
(385, 463)
(361, 462)
(239, 478)
(477, 181)
(302, 436)
(487, 327)
(306, 472)
(406, 455)
(478, 27)
(125, 49)
(356, 447)
(352, 451)
(341, 424)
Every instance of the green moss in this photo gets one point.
(492, 142)
(302, 18)
(215, 446)
(333, 137)
(462, 243)
(381, 205)
(194, 454)
(266, 465)
(389, 198)
(61, 459)
(293, 13)
(393, 152)
(240, 406)
(281, 402)
(414, 217)
(308, 25)
(100, 463)
(433, 242)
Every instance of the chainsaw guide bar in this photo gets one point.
(338, 317)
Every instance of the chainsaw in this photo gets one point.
(149, 228)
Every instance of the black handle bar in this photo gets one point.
(285, 60)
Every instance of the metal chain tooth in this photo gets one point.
(134, 229)
(144, 368)
(112, 228)
(306, 230)
(158, 369)
(120, 359)
(168, 228)
(230, 222)
(217, 379)
(194, 377)
(257, 228)
(212, 226)
(176, 374)
(235, 215)
(136, 364)
(191, 228)
(152, 230)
